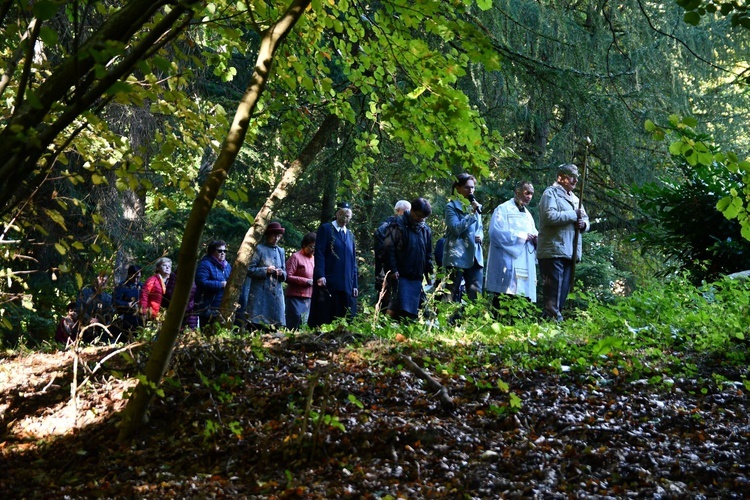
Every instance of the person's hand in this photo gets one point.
(223, 284)
(321, 282)
(355, 293)
(477, 239)
(310, 281)
(270, 270)
(581, 224)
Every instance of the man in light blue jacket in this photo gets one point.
(559, 217)
(462, 254)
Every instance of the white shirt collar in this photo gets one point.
(336, 226)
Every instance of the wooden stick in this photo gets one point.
(445, 399)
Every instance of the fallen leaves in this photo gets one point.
(374, 429)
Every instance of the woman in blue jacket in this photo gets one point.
(462, 255)
(210, 280)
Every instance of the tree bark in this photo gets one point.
(135, 411)
(256, 231)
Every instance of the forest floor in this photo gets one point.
(331, 416)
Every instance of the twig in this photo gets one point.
(445, 399)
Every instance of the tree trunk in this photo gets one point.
(256, 231)
(135, 411)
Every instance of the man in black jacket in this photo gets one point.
(384, 293)
(408, 252)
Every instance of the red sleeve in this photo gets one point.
(145, 292)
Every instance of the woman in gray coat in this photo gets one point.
(265, 274)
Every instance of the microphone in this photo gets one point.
(472, 199)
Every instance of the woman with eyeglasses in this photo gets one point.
(299, 279)
(210, 281)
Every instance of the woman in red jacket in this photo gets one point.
(154, 288)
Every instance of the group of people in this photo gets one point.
(98, 315)
(322, 276)
(403, 247)
(515, 244)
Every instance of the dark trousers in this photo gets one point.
(473, 278)
(556, 275)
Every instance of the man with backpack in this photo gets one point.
(384, 293)
(407, 254)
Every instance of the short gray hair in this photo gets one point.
(162, 260)
(402, 206)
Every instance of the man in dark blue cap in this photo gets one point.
(335, 283)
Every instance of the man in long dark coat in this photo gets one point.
(335, 287)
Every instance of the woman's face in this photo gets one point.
(221, 253)
(309, 250)
(273, 238)
(466, 189)
(165, 268)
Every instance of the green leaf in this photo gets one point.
(119, 87)
(723, 203)
(730, 211)
(60, 249)
(49, 36)
(515, 401)
(45, 9)
(649, 126)
(605, 345)
(484, 4)
(353, 399)
(692, 18)
(690, 121)
(56, 217)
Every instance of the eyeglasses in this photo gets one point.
(222, 250)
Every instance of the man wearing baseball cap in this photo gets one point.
(559, 216)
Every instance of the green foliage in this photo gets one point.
(697, 9)
(707, 182)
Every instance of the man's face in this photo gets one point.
(568, 182)
(221, 253)
(343, 216)
(417, 217)
(524, 196)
